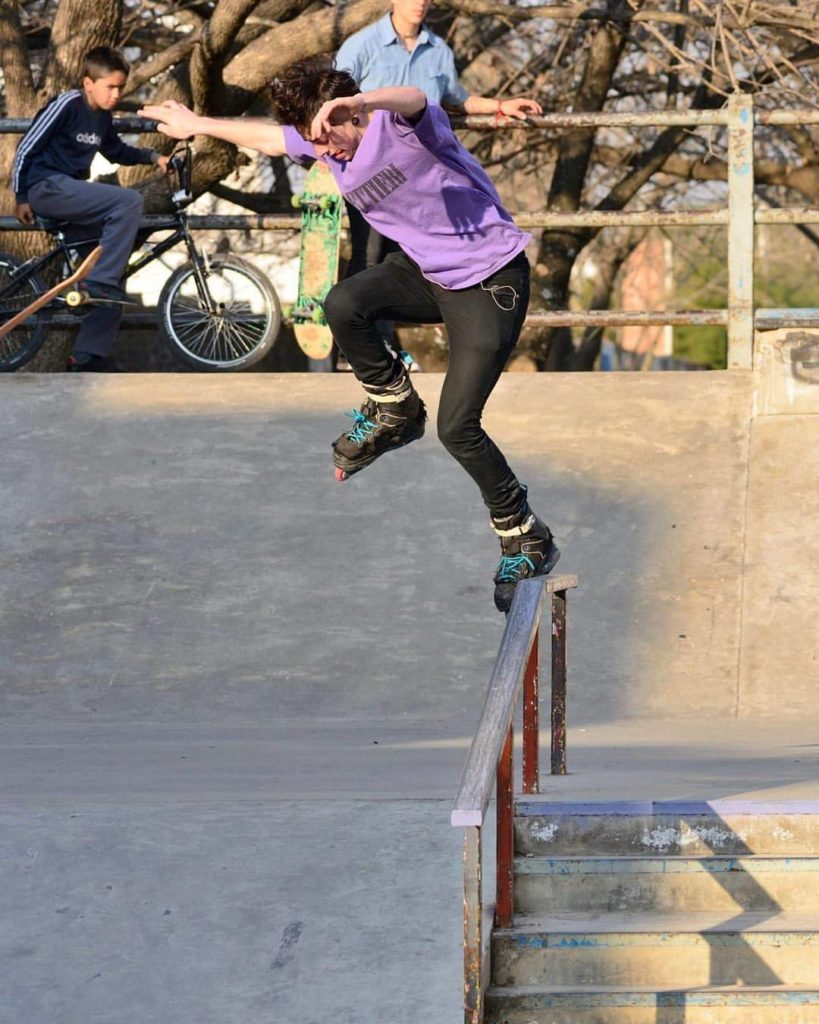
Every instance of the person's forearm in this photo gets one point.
(258, 134)
(399, 99)
(480, 105)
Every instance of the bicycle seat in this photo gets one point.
(48, 224)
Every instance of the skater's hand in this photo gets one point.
(162, 163)
(24, 213)
(333, 112)
(174, 119)
(518, 108)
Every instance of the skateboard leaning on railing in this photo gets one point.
(320, 205)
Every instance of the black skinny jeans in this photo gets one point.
(483, 323)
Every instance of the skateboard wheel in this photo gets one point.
(295, 202)
(75, 297)
(325, 202)
(341, 475)
(317, 316)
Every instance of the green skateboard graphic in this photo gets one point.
(320, 205)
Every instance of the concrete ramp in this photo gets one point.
(177, 546)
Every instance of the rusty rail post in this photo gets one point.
(505, 854)
(740, 232)
(473, 927)
(531, 720)
(490, 764)
(559, 683)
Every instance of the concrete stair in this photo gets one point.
(665, 913)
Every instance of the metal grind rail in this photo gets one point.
(739, 317)
(490, 762)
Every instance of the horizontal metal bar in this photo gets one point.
(765, 320)
(662, 218)
(778, 117)
(580, 218)
(777, 319)
(601, 119)
(622, 218)
(572, 119)
(627, 318)
(482, 122)
(127, 124)
(791, 215)
(200, 222)
(612, 119)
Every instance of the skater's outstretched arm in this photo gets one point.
(177, 121)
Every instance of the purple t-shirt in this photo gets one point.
(416, 184)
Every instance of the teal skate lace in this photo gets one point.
(362, 429)
(513, 567)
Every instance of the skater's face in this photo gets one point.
(106, 92)
(340, 141)
(412, 12)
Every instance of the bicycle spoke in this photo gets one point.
(239, 343)
(18, 291)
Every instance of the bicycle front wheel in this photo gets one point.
(24, 342)
(234, 329)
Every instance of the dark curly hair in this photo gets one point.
(300, 91)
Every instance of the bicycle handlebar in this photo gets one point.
(180, 172)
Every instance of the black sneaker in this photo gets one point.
(527, 549)
(82, 362)
(388, 420)
(100, 292)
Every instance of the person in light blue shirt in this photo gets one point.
(379, 56)
(399, 49)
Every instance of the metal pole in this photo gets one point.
(473, 938)
(531, 721)
(559, 683)
(740, 232)
(504, 902)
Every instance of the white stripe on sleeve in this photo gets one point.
(36, 132)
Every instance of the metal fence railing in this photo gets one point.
(740, 217)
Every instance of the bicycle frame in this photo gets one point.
(215, 312)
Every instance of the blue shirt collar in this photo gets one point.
(387, 35)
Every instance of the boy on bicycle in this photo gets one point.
(49, 178)
(462, 262)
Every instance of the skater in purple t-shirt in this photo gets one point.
(462, 263)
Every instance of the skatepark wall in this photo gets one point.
(175, 548)
(694, 536)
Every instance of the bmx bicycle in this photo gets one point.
(217, 312)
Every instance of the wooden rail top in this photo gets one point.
(478, 776)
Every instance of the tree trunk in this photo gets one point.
(558, 249)
(617, 251)
(18, 86)
(79, 26)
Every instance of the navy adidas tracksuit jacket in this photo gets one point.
(50, 174)
(64, 138)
